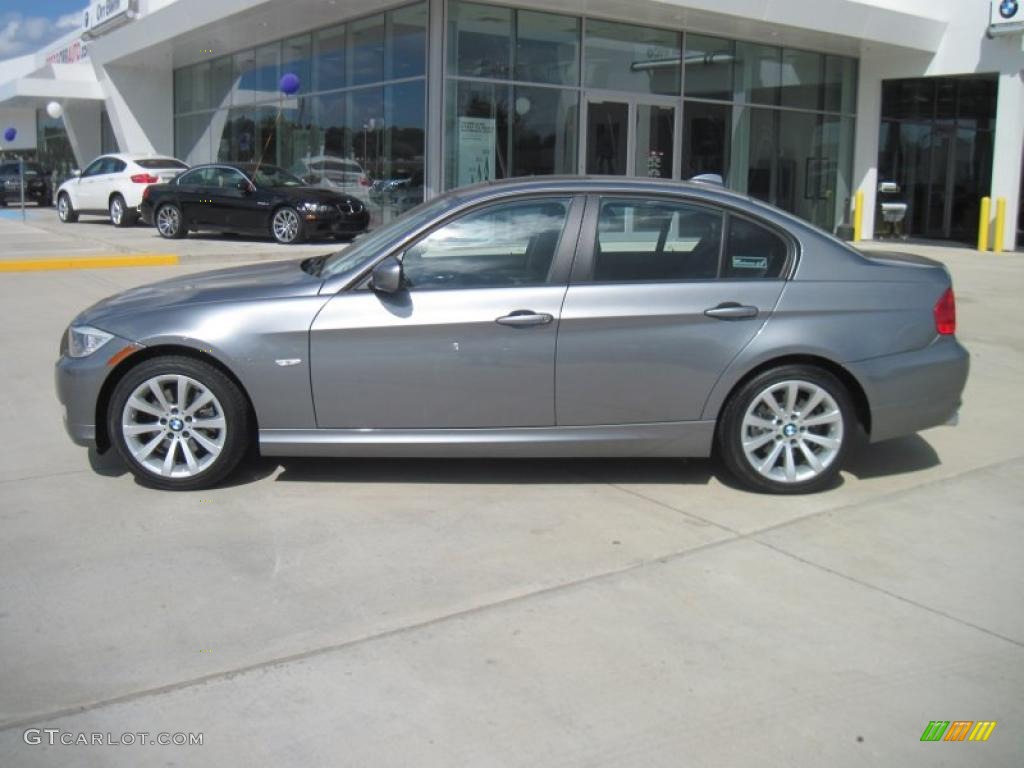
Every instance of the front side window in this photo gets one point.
(224, 178)
(656, 240)
(753, 251)
(511, 244)
(196, 178)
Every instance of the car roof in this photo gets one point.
(131, 157)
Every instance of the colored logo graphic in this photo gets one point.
(1008, 8)
(958, 730)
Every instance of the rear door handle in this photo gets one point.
(730, 310)
(524, 318)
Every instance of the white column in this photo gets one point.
(82, 122)
(865, 153)
(140, 103)
(1006, 160)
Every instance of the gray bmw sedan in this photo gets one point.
(529, 318)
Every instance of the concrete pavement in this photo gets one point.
(580, 613)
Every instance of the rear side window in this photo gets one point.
(154, 163)
(753, 251)
(656, 240)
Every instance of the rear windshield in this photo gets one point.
(153, 163)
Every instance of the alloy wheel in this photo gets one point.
(168, 221)
(286, 225)
(63, 207)
(792, 431)
(116, 211)
(174, 426)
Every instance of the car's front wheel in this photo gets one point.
(65, 211)
(169, 222)
(787, 430)
(120, 216)
(179, 424)
(286, 226)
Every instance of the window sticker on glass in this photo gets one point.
(749, 262)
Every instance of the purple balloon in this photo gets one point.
(10, 133)
(290, 83)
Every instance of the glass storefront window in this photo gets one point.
(707, 129)
(624, 57)
(477, 123)
(547, 48)
(544, 130)
(296, 59)
(840, 84)
(758, 73)
(407, 42)
(479, 40)
(709, 66)
(256, 74)
(802, 78)
(221, 80)
(192, 88)
(329, 54)
(366, 48)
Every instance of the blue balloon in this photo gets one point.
(10, 133)
(290, 83)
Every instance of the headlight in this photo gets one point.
(315, 208)
(83, 340)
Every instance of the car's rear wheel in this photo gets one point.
(169, 222)
(65, 211)
(787, 430)
(286, 226)
(178, 423)
(120, 216)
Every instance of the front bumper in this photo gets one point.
(336, 223)
(79, 381)
(916, 390)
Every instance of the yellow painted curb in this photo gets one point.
(90, 262)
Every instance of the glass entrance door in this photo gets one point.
(631, 136)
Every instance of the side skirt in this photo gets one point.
(674, 439)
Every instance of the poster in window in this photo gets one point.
(476, 150)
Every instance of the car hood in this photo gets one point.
(279, 279)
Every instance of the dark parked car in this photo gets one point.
(253, 199)
(37, 184)
(688, 320)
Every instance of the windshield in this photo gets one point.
(372, 243)
(272, 176)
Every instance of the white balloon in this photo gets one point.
(54, 109)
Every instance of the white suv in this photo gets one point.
(112, 185)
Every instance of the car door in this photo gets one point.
(228, 206)
(191, 190)
(105, 182)
(469, 342)
(658, 306)
(86, 194)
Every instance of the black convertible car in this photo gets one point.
(252, 199)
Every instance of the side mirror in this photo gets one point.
(76, 172)
(387, 276)
(244, 187)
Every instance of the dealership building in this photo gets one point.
(803, 104)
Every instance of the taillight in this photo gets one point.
(145, 178)
(945, 313)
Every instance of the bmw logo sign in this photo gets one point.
(1008, 8)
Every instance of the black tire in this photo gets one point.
(731, 432)
(65, 211)
(120, 216)
(234, 410)
(299, 234)
(172, 226)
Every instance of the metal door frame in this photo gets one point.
(633, 101)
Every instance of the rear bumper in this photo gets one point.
(914, 390)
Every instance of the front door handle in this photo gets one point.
(730, 310)
(524, 318)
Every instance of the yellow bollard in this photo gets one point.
(984, 222)
(997, 245)
(858, 216)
